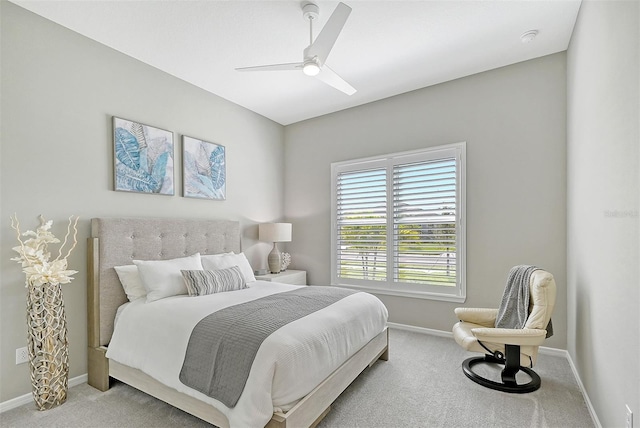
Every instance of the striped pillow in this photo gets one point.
(203, 282)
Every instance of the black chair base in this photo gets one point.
(512, 366)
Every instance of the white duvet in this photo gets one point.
(153, 338)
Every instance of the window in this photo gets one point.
(398, 223)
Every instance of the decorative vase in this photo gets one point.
(47, 345)
(286, 261)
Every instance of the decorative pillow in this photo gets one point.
(130, 280)
(162, 278)
(203, 282)
(223, 261)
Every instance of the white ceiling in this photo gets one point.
(386, 47)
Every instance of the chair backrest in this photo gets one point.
(542, 287)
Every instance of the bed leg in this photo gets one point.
(385, 355)
(321, 417)
(98, 373)
(279, 420)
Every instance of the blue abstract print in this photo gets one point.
(204, 169)
(143, 158)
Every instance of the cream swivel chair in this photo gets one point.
(516, 349)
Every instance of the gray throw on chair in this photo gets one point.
(514, 307)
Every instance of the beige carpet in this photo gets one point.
(422, 385)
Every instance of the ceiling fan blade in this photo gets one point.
(331, 78)
(323, 44)
(273, 67)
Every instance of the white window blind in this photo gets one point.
(424, 214)
(398, 223)
(362, 224)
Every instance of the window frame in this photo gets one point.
(388, 161)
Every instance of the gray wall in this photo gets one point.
(513, 120)
(603, 279)
(59, 91)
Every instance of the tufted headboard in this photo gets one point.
(117, 241)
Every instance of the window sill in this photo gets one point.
(404, 293)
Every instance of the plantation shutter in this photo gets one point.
(424, 222)
(361, 221)
(398, 223)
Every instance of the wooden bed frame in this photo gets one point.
(116, 242)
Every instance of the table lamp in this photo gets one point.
(275, 232)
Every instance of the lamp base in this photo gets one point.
(275, 259)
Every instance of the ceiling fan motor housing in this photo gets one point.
(310, 11)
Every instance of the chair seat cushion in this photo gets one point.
(463, 335)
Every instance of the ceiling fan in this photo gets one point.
(315, 55)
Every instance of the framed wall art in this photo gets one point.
(143, 158)
(203, 169)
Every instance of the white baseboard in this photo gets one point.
(563, 353)
(27, 398)
(592, 411)
(423, 330)
(543, 349)
(555, 352)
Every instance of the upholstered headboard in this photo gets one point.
(117, 241)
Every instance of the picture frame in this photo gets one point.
(203, 169)
(143, 158)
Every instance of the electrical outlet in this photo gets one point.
(629, 417)
(22, 355)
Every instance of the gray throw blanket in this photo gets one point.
(514, 307)
(223, 345)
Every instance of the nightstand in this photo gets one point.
(289, 276)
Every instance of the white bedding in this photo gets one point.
(153, 338)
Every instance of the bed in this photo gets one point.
(118, 241)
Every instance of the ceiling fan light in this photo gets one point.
(311, 69)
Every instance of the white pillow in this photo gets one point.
(130, 280)
(223, 261)
(216, 256)
(162, 278)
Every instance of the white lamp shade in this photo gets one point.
(275, 232)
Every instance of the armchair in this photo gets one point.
(515, 349)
